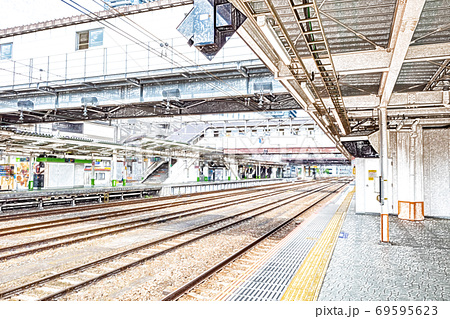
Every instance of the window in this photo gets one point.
(100, 176)
(89, 39)
(5, 51)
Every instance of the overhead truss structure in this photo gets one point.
(358, 51)
(167, 108)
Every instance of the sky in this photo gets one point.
(22, 12)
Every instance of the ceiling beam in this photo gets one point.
(292, 74)
(434, 113)
(407, 15)
(442, 73)
(405, 100)
(147, 109)
(374, 61)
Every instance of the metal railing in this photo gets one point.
(116, 62)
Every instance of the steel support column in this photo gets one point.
(382, 116)
(407, 14)
(114, 169)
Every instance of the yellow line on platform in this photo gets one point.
(308, 280)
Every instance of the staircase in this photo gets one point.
(178, 170)
(189, 134)
(157, 172)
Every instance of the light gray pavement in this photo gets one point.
(415, 266)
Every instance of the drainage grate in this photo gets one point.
(270, 281)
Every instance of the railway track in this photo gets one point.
(97, 232)
(94, 271)
(67, 210)
(14, 230)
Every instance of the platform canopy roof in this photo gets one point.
(17, 141)
(342, 59)
(13, 140)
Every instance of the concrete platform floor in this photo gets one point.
(415, 266)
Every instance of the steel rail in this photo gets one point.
(80, 219)
(77, 269)
(164, 251)
(121, 203)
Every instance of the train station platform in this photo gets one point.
(72, 191)
(336, 255)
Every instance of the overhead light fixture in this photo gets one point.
(91, 100)
(325, 120)
(308, 92)
(28, 104)
(339, 122)
(273, 39)
(294, 93)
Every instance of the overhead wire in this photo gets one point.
(125, 34)
(155, 38)
(121, 32)
(136, 40)
(144, 31)
(142, 44)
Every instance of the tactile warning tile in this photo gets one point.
(305, 285)
(267, 279)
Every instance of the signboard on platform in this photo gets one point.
(6, 177)
(68, 127)
(372, 174)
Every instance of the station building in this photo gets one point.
(132, 95)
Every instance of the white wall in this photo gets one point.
(407, 154)
(436, 152)
(78, 174)
(421, 169)
(183, 171)
(58, 175)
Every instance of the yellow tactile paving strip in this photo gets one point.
(224, 294)
(306, 284)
